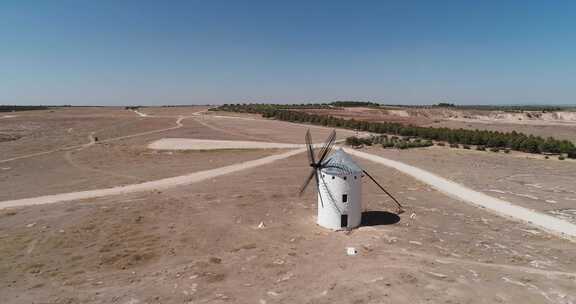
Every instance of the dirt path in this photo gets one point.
(546, 222)
(151, 185)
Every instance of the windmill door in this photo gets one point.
(344, 220)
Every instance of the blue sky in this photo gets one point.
(198, 52)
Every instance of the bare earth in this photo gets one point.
(201, 242)
(543, 185)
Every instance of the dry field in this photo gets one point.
(203, 242)
(538, 184)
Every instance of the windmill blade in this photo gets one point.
(400, 208)
(309, 146)
(330, 196)
(318, 187)
(308, 179)
(327, 146)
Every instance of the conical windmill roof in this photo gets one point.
(340, 163)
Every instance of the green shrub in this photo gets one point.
(481, 148)
(353, 141)
(401, 145)
(387, 144)
(427, 143)
(494, 150)
(454, 146)
(561, 158)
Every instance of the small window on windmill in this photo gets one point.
(344, 198)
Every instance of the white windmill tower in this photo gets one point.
(339, 186)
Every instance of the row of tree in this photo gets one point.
(13, 108)
(491, 139)
(388, 142)
(256, 107)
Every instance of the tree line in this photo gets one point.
(256, 107)
(14, 108)
(388, 142)
(492, 139)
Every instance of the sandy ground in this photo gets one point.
(120, 157)
(543, 185)
(559, 227)
(156, 185)
(201, 242)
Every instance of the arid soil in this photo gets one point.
(539, 184)
(108, 162)
(247, 237)
(201, 243)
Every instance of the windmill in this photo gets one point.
(338, 182)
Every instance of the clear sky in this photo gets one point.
(197, 52)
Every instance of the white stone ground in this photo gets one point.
(207, 144)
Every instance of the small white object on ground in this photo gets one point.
(351, 251)
(261, 225)
(438, 275)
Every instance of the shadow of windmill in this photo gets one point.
(379, 218)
